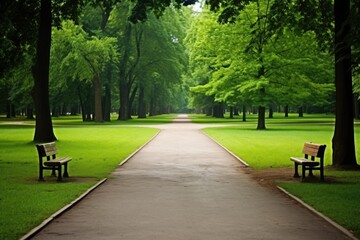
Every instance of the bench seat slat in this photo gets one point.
(305, 161)
(57, 161)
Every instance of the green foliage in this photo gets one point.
(77, 56)
(244, 63)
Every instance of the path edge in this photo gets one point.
(57, 214)
(137, 150)
(226, 149)
(67, 207)
(313, 210)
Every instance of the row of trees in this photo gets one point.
(334, 25)
(242, 64)
(105, 64)
(265, 57)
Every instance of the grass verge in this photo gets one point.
(96, 152)
(337, 197)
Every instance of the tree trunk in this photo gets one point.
(43, 126)
(356, 107)
(231, 112)
(29, 112)
(123, 86)
(261, 118)
(271, 112)
(124, 101)
(107, 101)
(343, 139)
(236, 111)
(244, 113)
(10, 110)
(131, 101)
(301, 112)
(218, 111)
(142, 105)
(98, 102)
(286, 110)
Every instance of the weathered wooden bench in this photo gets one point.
(311, 151)
(49, 151)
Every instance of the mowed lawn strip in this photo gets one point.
(96, 151)
(338, 197)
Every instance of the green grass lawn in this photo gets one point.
(96, 152)
(338, 197)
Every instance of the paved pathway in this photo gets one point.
(184, 186)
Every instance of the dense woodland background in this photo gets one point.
(98, 58)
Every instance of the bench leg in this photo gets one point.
(59, 179)
(41, 176)
(310, 173)
(303, 172)
(66, 174)
(53, 173)
(322, 174)
(296, 174)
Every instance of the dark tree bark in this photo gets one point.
(107, 101)
(271, 112)
(261, 118)
(356, 107)
(43, 127)
(218, 110)
(98, 97)
(10, 110)
(343, 139)
(106, 10)
(301, 112)
(286, 110)
(231, 112)
(142, 105)
(29, 112)
(244, 113)
(236, 111)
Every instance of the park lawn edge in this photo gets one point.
(67, 207)
(354, 229)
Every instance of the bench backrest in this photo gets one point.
(46, 149)
(314, 150)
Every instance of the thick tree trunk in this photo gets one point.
(98, 102)
(43, 127)
(261, 118)
(271, 112)
(343, 139)
(107, 102)
(131, 101)
(356, 107)
(29, 112)
(10, 110)
(231, 112)
(286, 110)
(124, 101)
(236, 111)
(244, 113)
(142, 105)
(218, 110)
(123, 86)
(301, 112)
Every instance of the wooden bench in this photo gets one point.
(49, 151)
(311, 151)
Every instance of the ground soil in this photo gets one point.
(271, 176)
